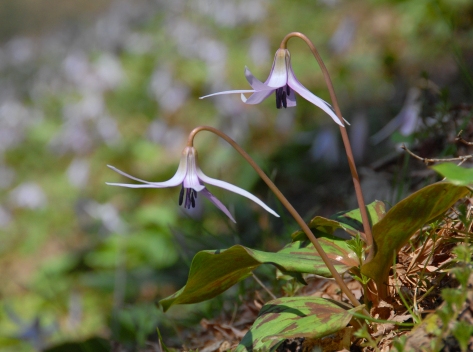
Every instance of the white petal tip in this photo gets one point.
(243, 98)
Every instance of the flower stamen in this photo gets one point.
(278, 99)
(281, 97)
(191, 195)
(284, 99)
(181, 196)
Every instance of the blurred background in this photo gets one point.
(90, 83)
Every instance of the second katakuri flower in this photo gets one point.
(284, 83)
(191, 177)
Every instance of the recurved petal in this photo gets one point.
(228, 92)
(177, 179)
(306, 94)
(130, 185)
(254, 82)
(257, 97)
(234, 189)
(291, 99)
(217, 203)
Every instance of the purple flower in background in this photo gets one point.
(406, 121)
(191, 177)
(284, 83)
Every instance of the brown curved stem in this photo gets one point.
(346, 141)
(286, 204)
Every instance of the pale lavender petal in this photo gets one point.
(130, 185)
(331, 107)
(410, 113)
(291, 99)
(217, 203)
(257, 97)
(306, 94)
(127, 175)
(254, 82)
(278, 75)
(234, 189)
(177, 179)
(228, 92)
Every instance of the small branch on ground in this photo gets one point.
(428, 161)
(263, 286)
(460, 139)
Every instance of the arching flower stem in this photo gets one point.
(285, 202)
(346, 142)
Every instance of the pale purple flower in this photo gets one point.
(191, 177)
(284, 83)
(406, 121)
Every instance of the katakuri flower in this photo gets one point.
(284, 83)
(191, 177)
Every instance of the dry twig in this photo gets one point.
(460, 139)
(428, 161)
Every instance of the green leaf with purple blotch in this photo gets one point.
(291, 317)
(213, 272)
(403, 220)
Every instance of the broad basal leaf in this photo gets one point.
(292, 317)
(349, 221)
(455, 174)
(403, 220)
(352, 219)
(213, 272)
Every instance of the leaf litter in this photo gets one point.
(418, 277)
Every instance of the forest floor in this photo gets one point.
(416, 284)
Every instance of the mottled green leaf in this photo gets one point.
(352, 219)
(349, 221)
(403, 220)
(291, 317)
(213, 272)
(455, 174)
